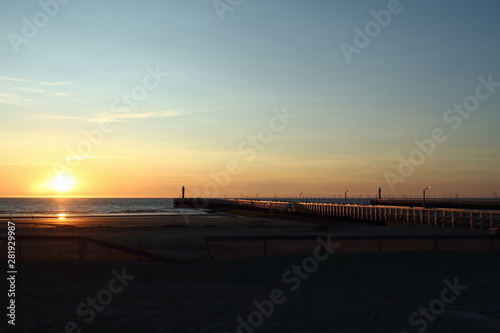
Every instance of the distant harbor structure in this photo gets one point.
(493, 204)
(375, 213)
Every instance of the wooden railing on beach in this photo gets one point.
(476, 219)
(75, 248)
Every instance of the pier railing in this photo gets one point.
(416, 215)
(491, 204)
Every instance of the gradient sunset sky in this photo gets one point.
(327, 123)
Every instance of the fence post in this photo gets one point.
(81, 254)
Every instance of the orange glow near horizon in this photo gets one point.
(108, 178)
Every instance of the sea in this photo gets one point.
(91, 206)
(40, 207)
(117, 206)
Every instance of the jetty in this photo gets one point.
(376, 214)
(491, 204)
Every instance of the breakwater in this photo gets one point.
(376, 214)
(491, 204)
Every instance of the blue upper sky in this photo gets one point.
(353, 120)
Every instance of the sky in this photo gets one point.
(249, 98)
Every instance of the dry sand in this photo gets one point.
(346, 293)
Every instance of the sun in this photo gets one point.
(62, 183)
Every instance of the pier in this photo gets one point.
(376, 214)
(491, 204)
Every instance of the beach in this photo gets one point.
(183, 236)
(372, 292)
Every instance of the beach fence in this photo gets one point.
(376, 214)
(74, 249)
(231, 248)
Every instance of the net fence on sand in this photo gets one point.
(73, 248)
